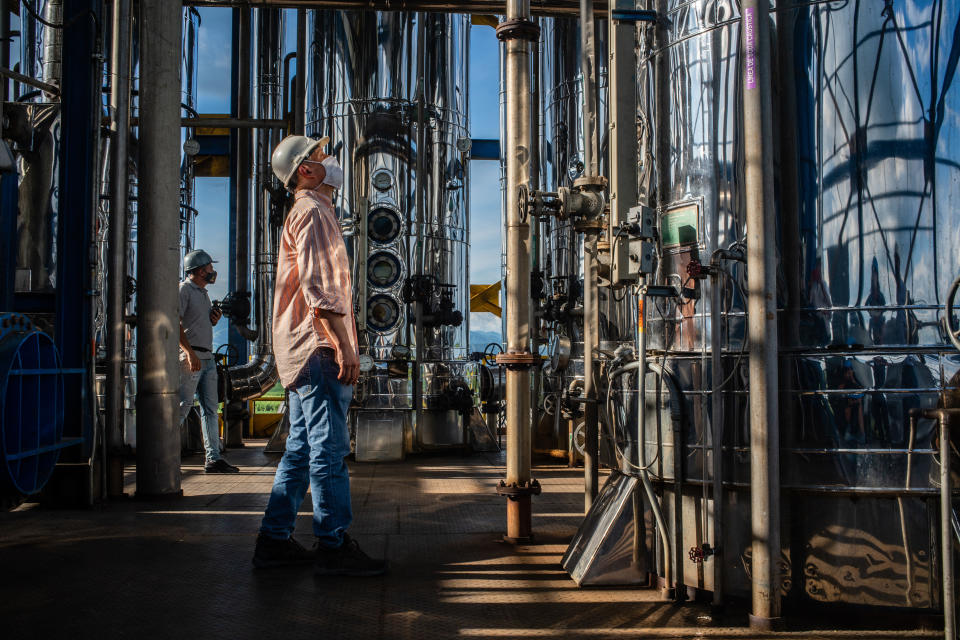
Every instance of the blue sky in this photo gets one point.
(213, 196)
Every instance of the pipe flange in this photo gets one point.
(518, 29)
(515, 491)
(589, 224)
(590, 183)
(518, 361)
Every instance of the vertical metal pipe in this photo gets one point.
(517, 152)
(300, 89)
(716, 421)
(5, 39)
(116, 269)
(591, 308)
(53, 42)
(244, 159)
(762, 314)
(158, 438)
(946, 539)
(588, 67)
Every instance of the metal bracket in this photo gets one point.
(518, 29)
(514, 491)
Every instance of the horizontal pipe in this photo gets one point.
(537, 7)
(820, 489)
(30, 82)
(227, 123)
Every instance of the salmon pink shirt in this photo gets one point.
(313, 273)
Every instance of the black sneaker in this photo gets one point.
(347, 560)
(220, 466)
(271, 552)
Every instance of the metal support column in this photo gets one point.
(116, 270)
(158, 438)
(762, 315)
(517, 31)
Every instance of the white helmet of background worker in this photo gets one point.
(197, 259)
(290, 153)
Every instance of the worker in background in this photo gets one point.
(198, 369)
(315, 345)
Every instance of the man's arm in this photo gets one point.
(336, 326)
(192, 360)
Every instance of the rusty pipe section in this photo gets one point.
(517, 32)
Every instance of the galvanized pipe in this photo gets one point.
(762, 315)
(158, 437)
(116, 269)
(517, 147)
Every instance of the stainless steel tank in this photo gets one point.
(390, 90)
(560, 248)
(867, 175)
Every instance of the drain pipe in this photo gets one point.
(591, 308)
(116, 270)
(517, 32)
(158, 371)
(762, 316)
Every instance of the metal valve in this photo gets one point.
(701, 553)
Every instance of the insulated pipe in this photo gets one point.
(519, 141)
(762, 315)
(116, 269)
(158, 436)
(53, 42)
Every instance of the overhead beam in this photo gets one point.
(537, 7)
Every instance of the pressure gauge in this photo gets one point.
(382, 180)
(464, 145)
(191, 147)
(366, 363)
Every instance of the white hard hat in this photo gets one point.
(292, 151)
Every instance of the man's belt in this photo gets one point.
(201, 349)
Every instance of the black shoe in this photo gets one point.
(347, 560)
(220, 466)
(271, 552)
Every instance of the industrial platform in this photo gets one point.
(163, 569)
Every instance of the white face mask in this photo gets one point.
(334, 176)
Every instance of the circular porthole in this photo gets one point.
(383, 269)
(383, 225)
(383, 313)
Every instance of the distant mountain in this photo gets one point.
(480, 339)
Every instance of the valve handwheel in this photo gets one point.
(953, 334)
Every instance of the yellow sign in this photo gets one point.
(485, 297)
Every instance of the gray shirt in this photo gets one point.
(195, 309)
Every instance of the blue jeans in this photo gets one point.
(203, 383)
(316, 447)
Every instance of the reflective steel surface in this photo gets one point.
(389, 88)
(866, 147)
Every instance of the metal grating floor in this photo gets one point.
(182, 566)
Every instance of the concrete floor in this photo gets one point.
(182, 566)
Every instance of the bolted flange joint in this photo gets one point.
(518, 29)
(513, 491)
(518, 361)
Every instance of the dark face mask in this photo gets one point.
(210, 277)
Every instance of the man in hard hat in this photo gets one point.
(315, 345)
(198, 369)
